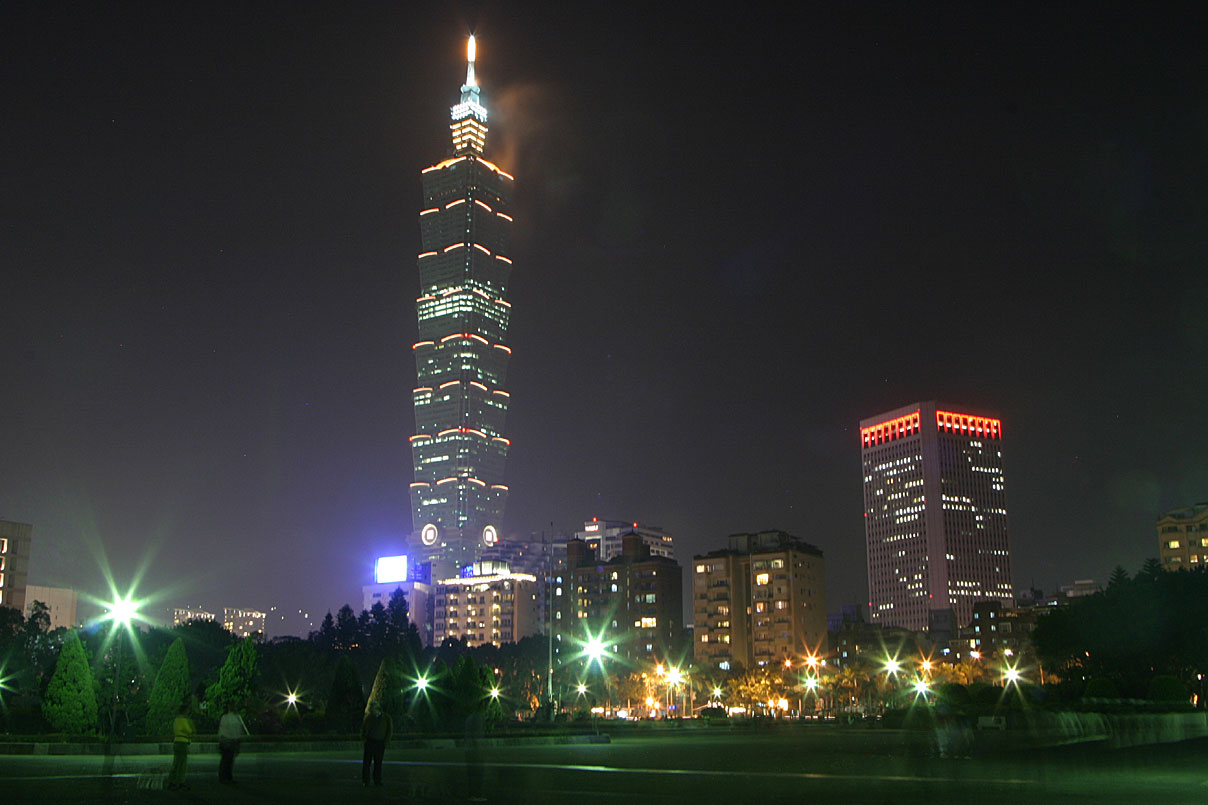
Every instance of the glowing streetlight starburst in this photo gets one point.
(581, 689)
(494, 693)
(892, 666)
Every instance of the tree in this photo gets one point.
(170, 689)
(70, 701)
(388, 689)
(1118, 580)
(346, 702)
(236, 679)
(347, 629)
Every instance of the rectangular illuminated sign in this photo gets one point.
(390, 568)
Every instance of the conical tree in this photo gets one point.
(170, 689)
(70, 700)
(388, 689)
(235, 680)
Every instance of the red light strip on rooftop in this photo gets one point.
(484, 206)
(419, 344)
(503, 302)
(449, 383)
(505, 216)
(504, 259)
(418, 389)
(426, 212)
(422, 255)
(455, 203)
(508, 350)
(420, 483)
(482, 248)
(967, 425)
(890, 430)
(454, 246)
(418, 436)
(508, 442)
(500, 486)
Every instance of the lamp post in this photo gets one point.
(121, 612)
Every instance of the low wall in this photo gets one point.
(252, 745)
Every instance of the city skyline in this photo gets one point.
(735, 239)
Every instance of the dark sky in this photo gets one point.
(736, 235)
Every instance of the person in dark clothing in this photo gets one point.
(376, 731)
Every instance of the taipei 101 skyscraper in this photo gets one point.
(461, 358)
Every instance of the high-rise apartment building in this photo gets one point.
(633, 604)
(487, 603)
(181, 615)
(15, 539)
(461, 358)
(243, 622)
(760, 601)
(1183, 537)
(604, 537)
(61, 604)
(935, 516)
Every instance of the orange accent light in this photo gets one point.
(505, 216)
(484, 206)
(504, 259)
(422, 255)
(419, 483)
(508, 350)
(967, 425)
(419, 344)
(454, 246)
(455, 203)
(495, 168)
(426, 212)
(444, 164)
(889, 430)
(449, 383)
(418, 436)
(482, 248)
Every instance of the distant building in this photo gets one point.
(1183, 537)
(633, 603)
(486, 604)
(604, 537)
(1081, 588)
(243, 622)
(15, 539)
(762, 600)
(935, 516)
(185, 614)
(60, 603)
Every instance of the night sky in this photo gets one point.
(736, 235)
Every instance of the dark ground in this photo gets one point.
(846, 766)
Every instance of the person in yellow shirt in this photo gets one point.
(182, 734)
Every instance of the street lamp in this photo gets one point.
(120, 612)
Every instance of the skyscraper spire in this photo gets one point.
(469, 125)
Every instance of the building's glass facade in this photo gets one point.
(461, 358)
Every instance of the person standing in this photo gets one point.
(182, 735)
(376, 731)
(230, 730)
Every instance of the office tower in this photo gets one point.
(935, 516)
(760, 601)
(1183, 537)
(15, 539)
(461, 358)
(604, 537)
